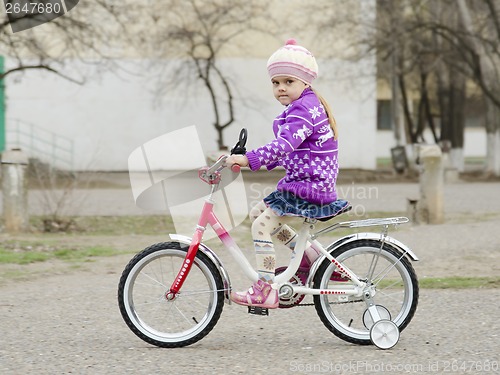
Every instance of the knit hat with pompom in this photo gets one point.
(294, 61)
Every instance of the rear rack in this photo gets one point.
(362, 223)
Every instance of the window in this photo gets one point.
(475, 112)
(384, 116)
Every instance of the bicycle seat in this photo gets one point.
(343, 210)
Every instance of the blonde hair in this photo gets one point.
(328, 111)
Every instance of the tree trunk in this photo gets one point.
(396, 105)
(490, 80)
(492, 139)
(457, 120)
(410, 134)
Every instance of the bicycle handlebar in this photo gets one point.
(239, 148)
(219, 165)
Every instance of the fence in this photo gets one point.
(49, 147)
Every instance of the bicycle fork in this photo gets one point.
(191, 253)
(186, 265)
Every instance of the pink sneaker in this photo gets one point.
(260, 294)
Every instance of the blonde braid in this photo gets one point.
(328, 111)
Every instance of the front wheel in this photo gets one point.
(390, 279)
(147, 312)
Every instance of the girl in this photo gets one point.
(306, 146)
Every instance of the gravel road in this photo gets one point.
(70, 324)
(66, 321)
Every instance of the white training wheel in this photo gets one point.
(382, 312)
(384, 334)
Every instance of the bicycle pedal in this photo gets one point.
(255, 310)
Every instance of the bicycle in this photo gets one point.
(364, 287)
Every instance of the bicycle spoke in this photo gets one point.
(387, 270)
(153, 279)
(190, 293)
(182, 314)
(390, 295)
(387, 286)
(160, 300)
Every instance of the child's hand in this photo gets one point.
(241, 160)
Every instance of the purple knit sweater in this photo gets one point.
(305, 147)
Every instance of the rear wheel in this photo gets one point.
(392, 283)
(155, 319)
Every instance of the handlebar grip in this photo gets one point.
(235, 168)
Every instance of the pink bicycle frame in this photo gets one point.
(208, 217)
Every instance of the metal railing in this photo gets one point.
(47, 146)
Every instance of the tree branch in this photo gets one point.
(43, 67)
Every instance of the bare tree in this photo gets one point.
(84, 33)
(466, 35)
(429, 49)
(416, 59)
(465, 40)
(196, 34)
(483, 40)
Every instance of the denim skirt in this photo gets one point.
(284, 203)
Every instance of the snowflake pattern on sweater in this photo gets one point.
(305, 147)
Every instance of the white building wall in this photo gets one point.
(474, 142)
(114, 113)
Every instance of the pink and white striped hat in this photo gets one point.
(294, 61)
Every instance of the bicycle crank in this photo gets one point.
(287, 298)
